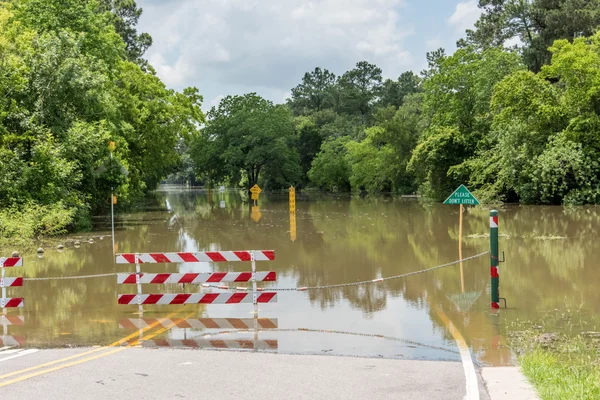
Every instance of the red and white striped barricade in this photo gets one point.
(12, 341)
(5, 339)
(140, 278)
(12, 320)
(263, 344)
(7, 302)
(199, 323)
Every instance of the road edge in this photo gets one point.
(507, 383)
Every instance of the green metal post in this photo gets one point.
(495, 286)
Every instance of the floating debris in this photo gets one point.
(77, 244)
(40, 251)
(546, 338)
(15, 254)
(550, 237)
(591, 334)
(60, 248)
(91, 241)
(486, 235)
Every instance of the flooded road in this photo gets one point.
(551, 263)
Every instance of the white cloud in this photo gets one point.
(465, 15)
(434, 43)
(271, 43)
(215, 102)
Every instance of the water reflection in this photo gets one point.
(550, 264)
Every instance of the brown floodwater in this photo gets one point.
(551, 264)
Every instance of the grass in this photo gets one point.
(21, 227)
(559, 365)
(558, 376)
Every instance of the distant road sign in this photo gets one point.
(254, 196)
(255, 189)
(222, 189)
(462, 196)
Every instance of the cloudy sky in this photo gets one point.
(238, 46)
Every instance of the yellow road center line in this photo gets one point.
(59, 367)
(24, 377)
(158, 332)
(117, 343)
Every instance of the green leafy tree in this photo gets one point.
(66, 90)
(402, 130)
(359, 89)
(394, 92)
(124, 16)
(371, 163)
(535, 23)
(457, 98)
(314, 93)
(545, 144)
(152, 119)
(308, 143)
(330, 169)
(251, 135)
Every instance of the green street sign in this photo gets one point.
(462, 196)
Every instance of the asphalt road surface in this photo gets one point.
(141, 373)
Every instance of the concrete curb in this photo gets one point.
(507, 383)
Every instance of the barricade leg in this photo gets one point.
(254, 300)
(3, 290)
(138, 281)
(254, 292)
(4, 326)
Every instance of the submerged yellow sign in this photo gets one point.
(255, 214)
(293, 226)
(255, 189)
(292, 199)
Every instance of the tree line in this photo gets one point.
(72, 80)
(515, 122)
(513, 113)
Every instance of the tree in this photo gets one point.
(434, 62)
(457, 102)
(314, 93)
(545, 138)
(66, 90)
(535, 23)
(359, 89)
(394, 92)
(308, 143)
(402, 130)
(501, 20)
(330, 170)
(371, 163)
(251, 135)
(124, 16)
(78, 19)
